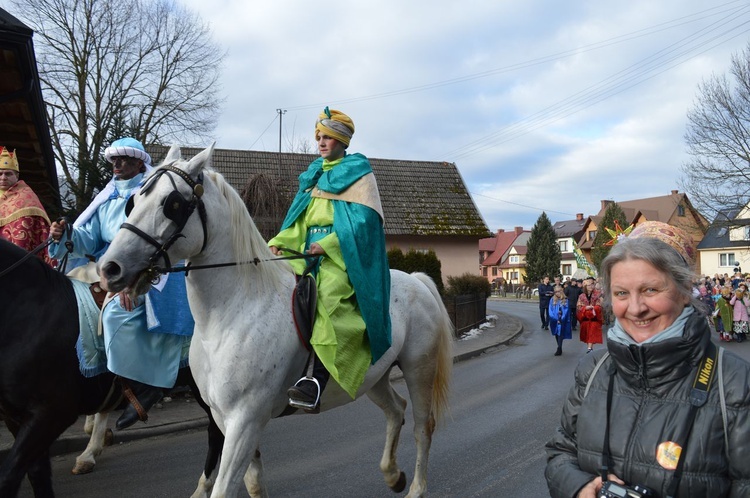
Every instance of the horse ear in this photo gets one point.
(201, 160)
(174, 154)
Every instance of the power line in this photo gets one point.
(614, 84)
(691, 18)
(263, 132)
(521, 205)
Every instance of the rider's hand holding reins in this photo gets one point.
(315, 249)
(56, 229)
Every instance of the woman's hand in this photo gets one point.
(591, 490)
(275, 250)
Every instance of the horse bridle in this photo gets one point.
(176, 208)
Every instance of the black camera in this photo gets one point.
(613, 490)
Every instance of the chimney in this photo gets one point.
(675, 192)
(518, 230)
(579, 216)
(606, 203)
(499, 231)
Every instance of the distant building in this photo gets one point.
(726, 245)
(674, 209)
(568, 232)
(502, 258)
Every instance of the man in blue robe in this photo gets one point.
(145, 337)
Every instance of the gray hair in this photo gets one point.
(656, 253)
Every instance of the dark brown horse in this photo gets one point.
(42, 391)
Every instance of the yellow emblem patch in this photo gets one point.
(667, 454)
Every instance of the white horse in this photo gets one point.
(245, 352)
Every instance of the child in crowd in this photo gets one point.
(559, 318)
(723, 315)
(740, 302)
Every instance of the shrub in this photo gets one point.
(413, 261)
(468, 283)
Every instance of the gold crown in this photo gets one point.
(8, 159)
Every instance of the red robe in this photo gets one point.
(23, 220)
(590, 320)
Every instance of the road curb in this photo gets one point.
(489, 348)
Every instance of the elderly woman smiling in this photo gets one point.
(639, 414)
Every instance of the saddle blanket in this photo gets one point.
(92, 359)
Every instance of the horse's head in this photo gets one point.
(166, 222)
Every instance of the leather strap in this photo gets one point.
(130, 395)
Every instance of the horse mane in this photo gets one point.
(247, 242)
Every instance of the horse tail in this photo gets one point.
(444, 356)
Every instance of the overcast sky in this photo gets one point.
(543, 105)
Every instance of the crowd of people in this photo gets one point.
(565, 305)
(727, 301)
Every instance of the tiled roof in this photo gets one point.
(717, 236)
(568, 228)
(418, 197)
(659, 208)
(500, 245)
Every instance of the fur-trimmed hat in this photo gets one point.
(127, 147)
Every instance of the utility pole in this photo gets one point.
(281, 113)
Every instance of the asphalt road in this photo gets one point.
(504, 407)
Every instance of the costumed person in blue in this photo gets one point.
(145, 337)
(337, 215)
(559, 318)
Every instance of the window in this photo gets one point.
(563, 245)
(726, 259)
(592, 234)
(680, 210)
(567, 270)
(514, 260)
(747, 232)
(484, 271)
(494, 271)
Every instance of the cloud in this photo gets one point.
(548, 105)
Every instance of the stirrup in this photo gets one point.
(301, 404)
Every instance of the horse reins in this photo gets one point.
(255, 261)
(178, 209)
(26, 256)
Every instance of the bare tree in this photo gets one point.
(144, 68)
(717, 176)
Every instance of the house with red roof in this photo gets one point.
(503, 256)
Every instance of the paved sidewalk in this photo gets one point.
(182, 412)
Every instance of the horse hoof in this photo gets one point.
(400, 484)
(109, 437)
(83, 468)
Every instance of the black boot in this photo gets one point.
(146, 396)
(306, 392)
(559, 345)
